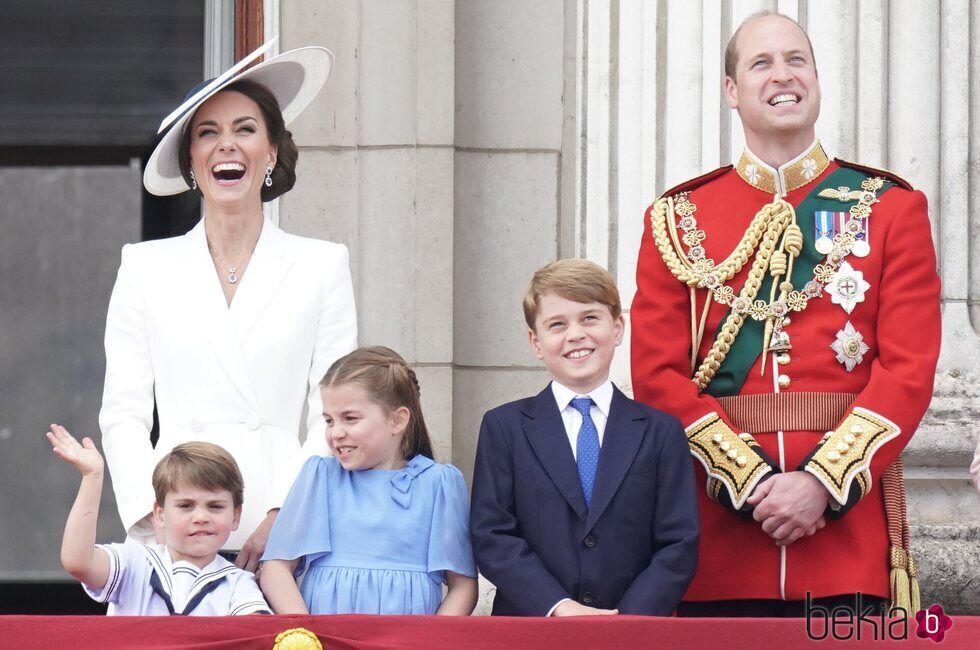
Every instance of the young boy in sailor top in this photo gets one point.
(198, 490)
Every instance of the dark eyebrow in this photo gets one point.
(238, 120)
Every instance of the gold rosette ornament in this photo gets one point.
(297, 638)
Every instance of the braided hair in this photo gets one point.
(391, 383)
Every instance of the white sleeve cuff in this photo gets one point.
(555, 606)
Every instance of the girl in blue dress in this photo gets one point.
(378, 527)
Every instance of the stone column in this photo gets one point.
(376, 173)
(508, 162)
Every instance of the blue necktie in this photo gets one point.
(587, 447)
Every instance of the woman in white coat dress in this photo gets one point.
(229, 327)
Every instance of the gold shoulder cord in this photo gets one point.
(775, 240)
(761, 238)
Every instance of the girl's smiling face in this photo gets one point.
(361, 433)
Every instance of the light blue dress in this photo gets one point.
(374, 541)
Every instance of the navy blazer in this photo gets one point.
(634, 549)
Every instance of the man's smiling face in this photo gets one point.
(775, 87)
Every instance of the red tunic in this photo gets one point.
(899, 319)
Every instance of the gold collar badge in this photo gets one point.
(793, 175)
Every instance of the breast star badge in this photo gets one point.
(847, 287)
(850, 347)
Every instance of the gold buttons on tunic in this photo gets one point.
(782, 359)
(784, 381)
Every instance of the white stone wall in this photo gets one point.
(461, 145)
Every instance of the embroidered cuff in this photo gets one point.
(842, 458)
(733, 461)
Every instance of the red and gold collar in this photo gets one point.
(795, 174)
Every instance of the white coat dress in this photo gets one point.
(233, 375)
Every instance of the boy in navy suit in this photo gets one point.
(583, 500)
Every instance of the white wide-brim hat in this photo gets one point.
(294, 78)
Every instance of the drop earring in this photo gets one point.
(193, 180)
(268, 176)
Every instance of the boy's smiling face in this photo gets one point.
(576, 341)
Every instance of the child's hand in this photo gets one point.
(85, 457)
(573, 608)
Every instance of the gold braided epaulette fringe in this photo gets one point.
(843, 457)
(728, 458)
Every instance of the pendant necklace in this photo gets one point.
(233, 275)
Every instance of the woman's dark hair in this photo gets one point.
(391, 383)
(284, 173)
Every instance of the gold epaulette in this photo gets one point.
(843, 457)
(728, 458)
(874, 171)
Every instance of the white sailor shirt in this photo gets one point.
(144, 581)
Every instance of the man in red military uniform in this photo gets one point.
(787, 312)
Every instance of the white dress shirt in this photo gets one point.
(601, 399)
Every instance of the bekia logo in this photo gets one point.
(873, 620)
(932, 623)
(863, 619)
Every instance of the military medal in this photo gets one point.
(847, 287)
(858, 229)
(850, 347)
(825, 226)
(861, 246)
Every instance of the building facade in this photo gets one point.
(460, 145)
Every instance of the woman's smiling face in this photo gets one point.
(230, 149)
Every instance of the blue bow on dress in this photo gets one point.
(401, 483)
